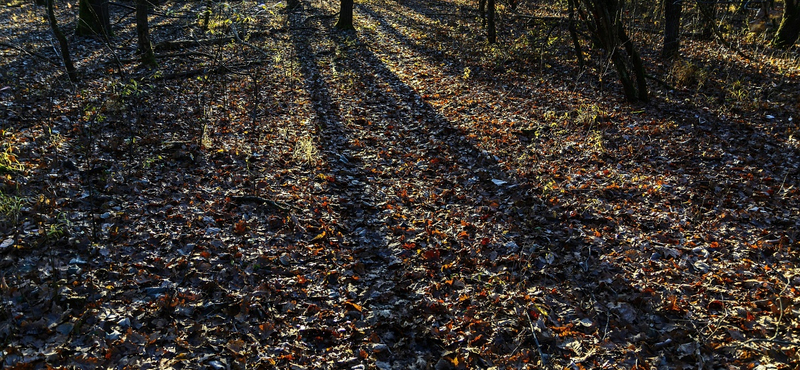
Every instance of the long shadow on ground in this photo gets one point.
(403, 174)
(390, 150)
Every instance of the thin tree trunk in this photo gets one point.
(148, 58)
(672, 28)
(482, 11)
(573, 33)
(93, 18)
(492, 30)
(604, 18)
(708, 15)
(636, 62)
(62, 41)
(206, 15)
(345, 15)
(789, 30)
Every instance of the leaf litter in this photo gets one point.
(402, 197)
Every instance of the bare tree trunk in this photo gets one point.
(345, 15)
(789, 30)
(573, 33)
(62, 42)
(482, 11)
(636, 63)
(148, 58)
(93, 18)
(708, 16)
(206, 15)
(672, 28)
(492, 28)
(604, 19)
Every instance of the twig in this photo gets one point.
(259, 200)
(121, 19)
(446, 15)
(7, 45)
(194, 72)
(175, 55)
(784, 342)
(783, 182)
(323, 16)
(245, 43)
(210, 71)
(719, 35)
(780, 318)
(186, 54)
(542, 18)
(536, 339)
(180, 44)
(660, 82)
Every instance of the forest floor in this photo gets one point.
(405, 196)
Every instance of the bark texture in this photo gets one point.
(148, 58)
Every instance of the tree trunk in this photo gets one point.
(93, 18)
(345, 15)
(206, 15)
(573, 33)
(492, 29)
(789, 30)
(148, 58)
(708, 16)
(482, 11)
(636, 64)
(672, 28)
(604, 19)
(62, 42)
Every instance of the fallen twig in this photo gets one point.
(323, 16)
(259, 200)
(660, 82)
(181, 44)
(536, 339)
(175, 55)
(776, 341)
(540, 18)
(245, 43)
(9, 46)
(446, 15)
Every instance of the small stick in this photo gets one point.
(536, 339)
(10, 46)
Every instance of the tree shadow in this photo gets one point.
(404, 175)
(609, 291)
